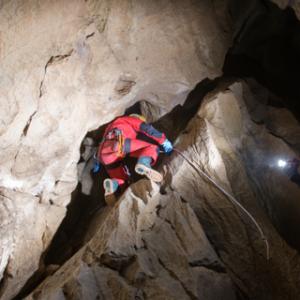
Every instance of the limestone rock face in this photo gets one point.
(149, 246)
(84, 68)
(66, 68)
(186, 239)
(27, 227)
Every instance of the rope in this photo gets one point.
(231, 198)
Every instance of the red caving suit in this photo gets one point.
(120, 139)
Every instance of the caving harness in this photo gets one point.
(198, 168)
(116, 139)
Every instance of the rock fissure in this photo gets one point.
(166, 220)
(90, 35)
(174, 276)
(216, 267)
(52, 60)
(25, 130)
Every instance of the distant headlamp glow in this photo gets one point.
(281, 163)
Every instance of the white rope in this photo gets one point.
(230, 197)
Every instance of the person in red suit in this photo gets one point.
(120, 140)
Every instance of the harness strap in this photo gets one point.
(120, 145)
(114, 135)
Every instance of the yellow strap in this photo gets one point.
(121, 144)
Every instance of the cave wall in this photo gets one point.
(270, 55)
(185, 239)
(66, 68)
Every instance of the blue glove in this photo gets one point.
(96, 167)
(167, 146)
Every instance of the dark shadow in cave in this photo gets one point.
(296, 178)
(266, 47)
(73, 232)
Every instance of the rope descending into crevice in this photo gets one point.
(230, 197)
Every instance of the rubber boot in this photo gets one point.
(143, 167)
(110, 186)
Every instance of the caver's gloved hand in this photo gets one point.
(167, 146)
(96, 167)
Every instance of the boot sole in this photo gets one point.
(148, 172)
